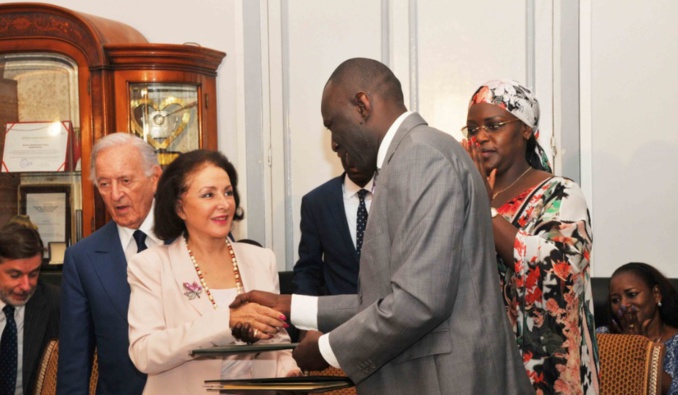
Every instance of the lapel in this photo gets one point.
(408, 124)
(36, 317)
(335, 206)
(184, 272)
(248, 274)
(110, 265)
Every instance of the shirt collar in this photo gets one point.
(388, 138)
(351, 188)
(126, 234)
(16, 308)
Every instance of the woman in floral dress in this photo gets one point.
(542, 238)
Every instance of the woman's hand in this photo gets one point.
(471, 147)
(260, 322)
(296, 372)
(627, 322)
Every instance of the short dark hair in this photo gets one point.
(370, 76)
(172, 184)
(651, 277)
(18, 241)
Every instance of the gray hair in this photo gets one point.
(148, 158)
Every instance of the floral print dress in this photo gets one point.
(547, 289)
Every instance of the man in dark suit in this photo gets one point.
(330, 230)
(428, 317)
(94, 288)
(30, 307)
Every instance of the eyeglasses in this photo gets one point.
(470, 131)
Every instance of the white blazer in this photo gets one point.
(165, 325)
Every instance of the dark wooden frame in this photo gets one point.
(25, 190)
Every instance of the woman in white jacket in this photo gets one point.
(180, 292)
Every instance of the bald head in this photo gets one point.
(369, 76)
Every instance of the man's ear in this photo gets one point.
(362, 102)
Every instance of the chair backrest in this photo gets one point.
(331, 371)
(47, 376)
(629, 364)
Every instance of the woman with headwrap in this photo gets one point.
(542, 238)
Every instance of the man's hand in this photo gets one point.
(244, 332)
(307, 353)
(281, 303)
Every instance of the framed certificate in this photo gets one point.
(49, 208)
(39, 146)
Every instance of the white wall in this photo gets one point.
(441, 51)
(634, 58)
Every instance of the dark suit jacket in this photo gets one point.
(41, 324)
(94, 302)
(328, 261)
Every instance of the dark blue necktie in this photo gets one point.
(140, 238)
(362, 220)
(8, 354)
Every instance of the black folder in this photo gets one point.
(241, 348)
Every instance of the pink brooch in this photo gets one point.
(192, 290)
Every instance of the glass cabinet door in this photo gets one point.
(39, 97)
(166, 116)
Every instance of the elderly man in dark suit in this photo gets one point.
(428, 317)
(333, 219)
(30, 307)
(94, 288)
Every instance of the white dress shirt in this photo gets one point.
(19, 315)
(304, 309)
(126, 235)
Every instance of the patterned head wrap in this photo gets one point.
(519, 101)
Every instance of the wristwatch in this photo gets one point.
(494, 212)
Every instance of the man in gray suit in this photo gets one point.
(428, 318)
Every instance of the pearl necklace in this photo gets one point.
(494, 195)
(236, 272)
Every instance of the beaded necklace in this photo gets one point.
(236, 272)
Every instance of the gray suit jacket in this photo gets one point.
(428, 317)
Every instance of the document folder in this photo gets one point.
(302, 383)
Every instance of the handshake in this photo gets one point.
(258, 315)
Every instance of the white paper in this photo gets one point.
(35, 146)
(48, 212)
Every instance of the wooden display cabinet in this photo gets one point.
(102, 76)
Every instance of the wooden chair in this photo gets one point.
(331, 371)
(629, 365)
(47, 376)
